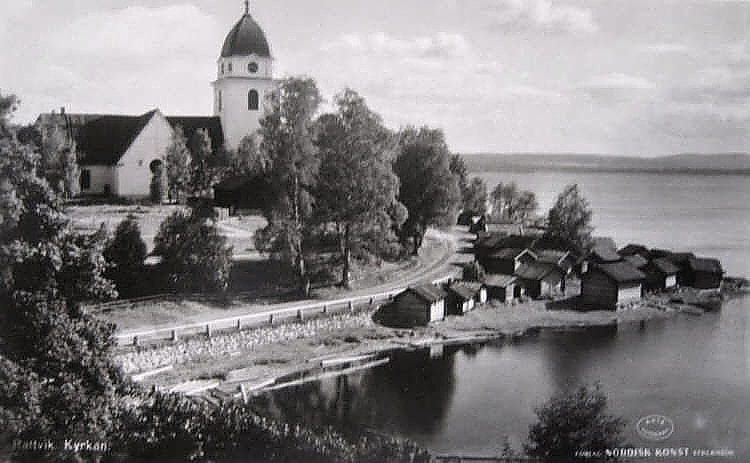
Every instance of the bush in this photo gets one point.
(574, 422)
(195, 257)
(125, 254)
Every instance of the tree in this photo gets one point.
(474, 197)
(249, 159)
(287, 143)
(510, 203)
(428, 188)
(57, 377)
(356, 185)
(195, 257)
(178, 166)
(570, 217)
(574, 422)
(524, 206)
(125, 254)
(201, 163)
(459, 169)
(157, 187)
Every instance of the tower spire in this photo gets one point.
(247, 6)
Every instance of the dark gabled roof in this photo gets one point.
(554, 243)
(537, 270)
(698, 264)
(636, 260)
(246, 38)
(621, 272)
(664, 266)
(429, 293)
(475, 286)
(632, 249)
(104, 140)
(552, 256)
(680, 258)
(462, 291)
(191, 124)
(500, 281)
(509, 253)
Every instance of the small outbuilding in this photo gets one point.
(507, 260)
(705, 273)
(503, 288)
(540, 279)
(419, 305)
(606, 285)
(661, 274)
(461, 299)
(634, 249)
(682, 261)
(478, 288)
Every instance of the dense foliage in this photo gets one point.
(574, 422)
(570, 217)
(177, 159)
(125, 254)
(512, 204)
(195, 257)
(428, 187)
(287, 133)
(354, 140)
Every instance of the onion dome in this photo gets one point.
(246, 38)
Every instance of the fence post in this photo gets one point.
(300, 315)
(270, 319)
(351, 306)
(208, 330)
(372, 300)
(325, 308)
(174, 335)
(239, 324)
(135, 340)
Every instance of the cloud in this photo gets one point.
(442, 44)
(140, 32)
(542, 16)
(618, 81)
(666, 48)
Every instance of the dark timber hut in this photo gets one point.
(460, 299)
(419, 305)
(606, 285)
(540, 279)
(503, 288)
(705, 273)
(661, 274)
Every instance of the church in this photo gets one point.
(118, 153)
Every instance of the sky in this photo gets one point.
(619, 77)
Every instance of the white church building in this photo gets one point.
(117, 153)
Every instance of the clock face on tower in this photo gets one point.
(252, 67)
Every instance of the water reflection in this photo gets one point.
(409, 395)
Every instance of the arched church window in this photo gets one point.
(222, 68)
(229, 64)
(252, 100)
(252, 67)
(218, 97)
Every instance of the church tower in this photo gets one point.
(244, 77)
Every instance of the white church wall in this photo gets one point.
(133, 170)
(101, 179)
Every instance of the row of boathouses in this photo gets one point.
(538, 267)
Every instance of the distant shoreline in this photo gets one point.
(703, 164)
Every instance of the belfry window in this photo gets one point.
(252, 100)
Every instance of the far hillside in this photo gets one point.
(720, 163)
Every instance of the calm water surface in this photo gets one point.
(695, 370)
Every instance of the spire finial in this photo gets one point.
(247, 6)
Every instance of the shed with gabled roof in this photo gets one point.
(503, 288)
(661, 274)
(606, 285)
(461, 299)
(540, 279)
(420, 305)
(705, 273)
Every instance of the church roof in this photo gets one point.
(104, 140)
(246, 38)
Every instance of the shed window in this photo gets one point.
(252, 100)
(85, 179)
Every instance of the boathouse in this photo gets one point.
(507, 260)
(705, 273)
(606, 285)
(503, 288)
(419, 305)
(461, 299)
(661, 274)
(540, 279)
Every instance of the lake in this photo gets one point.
(693, 370)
